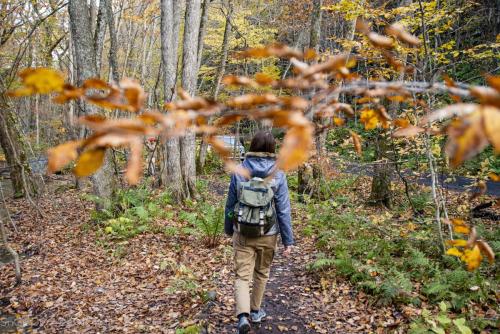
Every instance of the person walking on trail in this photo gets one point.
(257, 210)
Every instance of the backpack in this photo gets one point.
(254, 213)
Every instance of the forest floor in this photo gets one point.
(74, 281)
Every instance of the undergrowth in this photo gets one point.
(397, 262)
(140, 209)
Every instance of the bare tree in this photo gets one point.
(103, 181)
(170, 22)
(189, 80)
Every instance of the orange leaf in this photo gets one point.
(491, 116)
(380, 41)
(294, 102)
(486, 250)
(356, 139)
(397, 30)
(408, 131)
(472, 238)
(62, 155)
(460, 109)
(95, 83)
(466, 138)
(494, 81)
(338, 121)
(401, 122)
(227, 120)
(89, 162)
(134, 94)
(233, 80)
(134, 168)
(494, 177)
(486, 95)
(264, 79)
(461, 229)
(250, 100)
(296, 146)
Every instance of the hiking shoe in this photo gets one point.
(257, 316)
(243, 326)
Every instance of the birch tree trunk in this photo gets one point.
(103, 180)
(189, 80)
(170, 23)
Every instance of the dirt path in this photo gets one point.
(298, 302)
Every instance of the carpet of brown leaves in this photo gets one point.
(155, 283)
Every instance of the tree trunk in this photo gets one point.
(170, 22)
(189, 81)
(220, 73)
(103, 180)
(113, 47)
(100, 32)
(314, 43)
(381, 182)
(12, 145)
(203, 29)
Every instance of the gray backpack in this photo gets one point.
(254, 212)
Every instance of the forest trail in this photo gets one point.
(127, 286)
(296, 302)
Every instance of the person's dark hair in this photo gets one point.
(263, 141)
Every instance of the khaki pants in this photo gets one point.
(252, 256)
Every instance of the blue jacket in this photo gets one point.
(260, 166)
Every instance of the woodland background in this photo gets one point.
(372, 210)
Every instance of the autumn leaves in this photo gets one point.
(311, 95)
(470, 251)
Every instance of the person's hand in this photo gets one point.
(287, 251)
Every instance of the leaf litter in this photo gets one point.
(157, 283)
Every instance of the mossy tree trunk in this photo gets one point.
(14, 148)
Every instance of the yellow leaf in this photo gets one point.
(89, 162)
(473, 258)
(369, 119)
(458, 242)
(39, 81)
(461, 229)
(454, 252)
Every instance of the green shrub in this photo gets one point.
(207, 221)
(441, 323)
